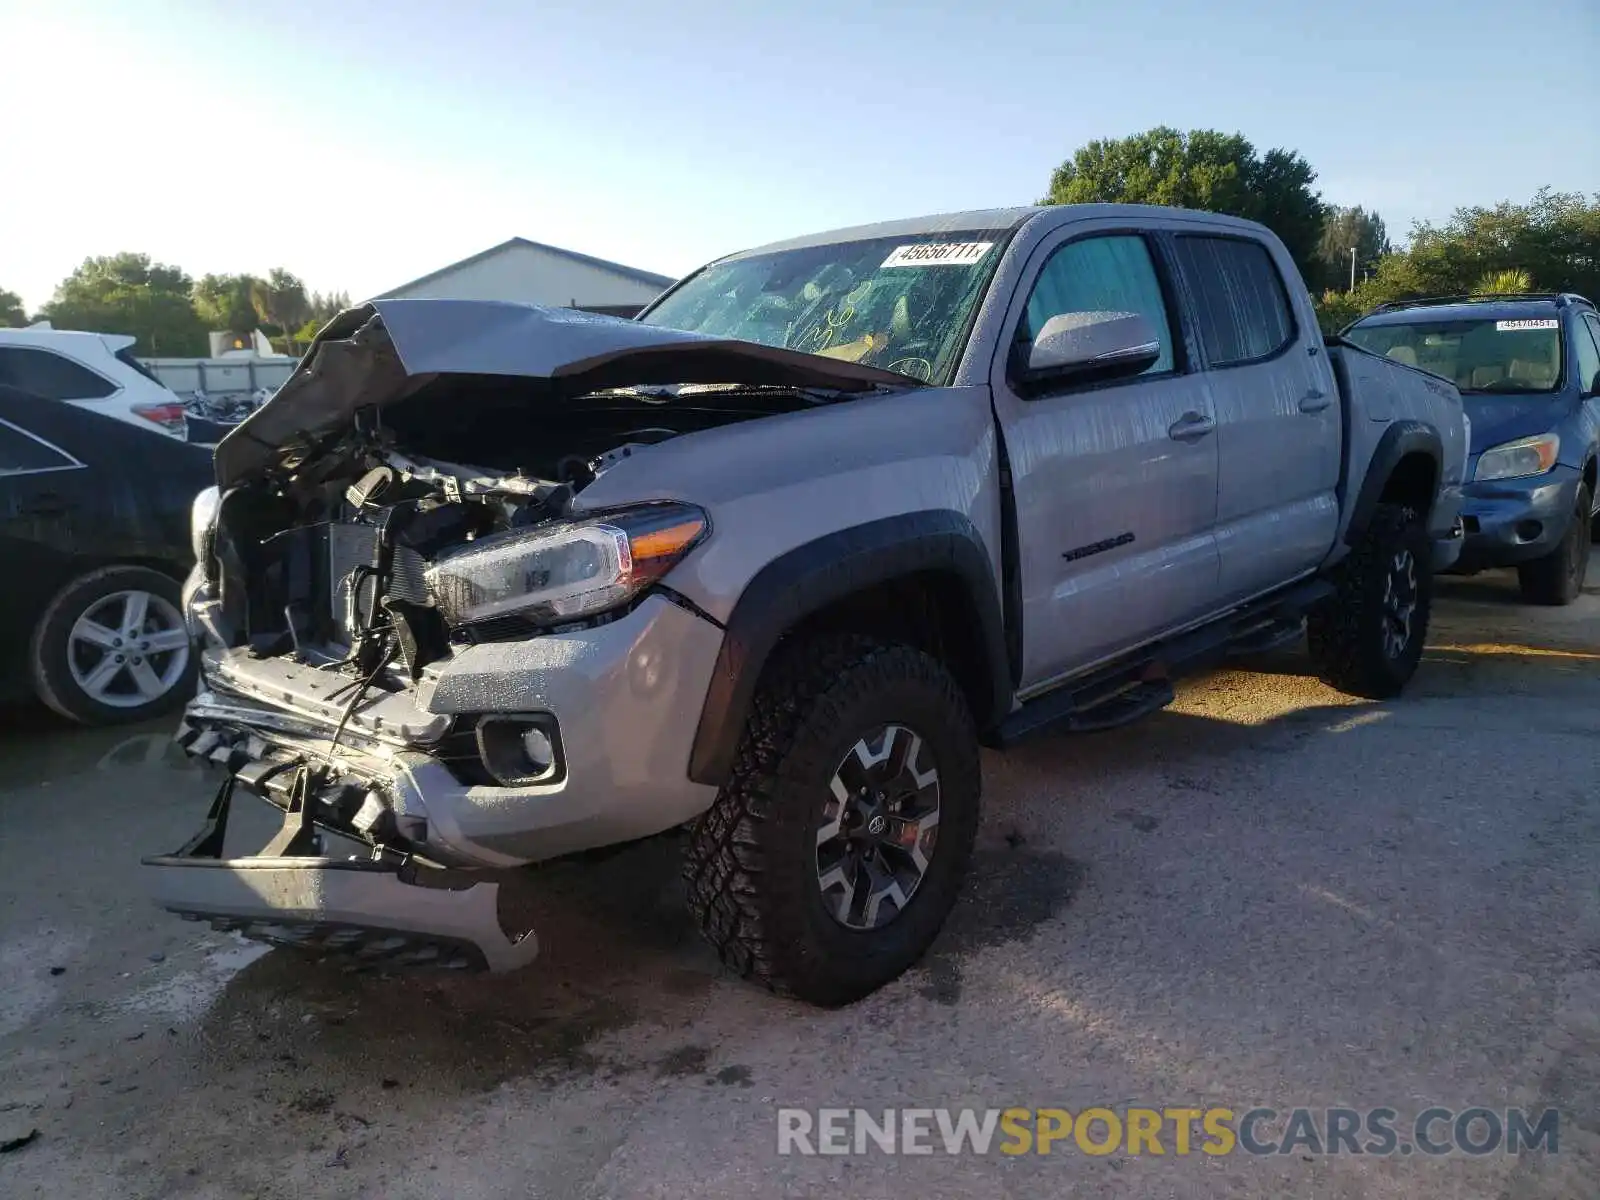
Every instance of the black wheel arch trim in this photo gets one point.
(811, 576)
(1402, 438)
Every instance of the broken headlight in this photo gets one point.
(567, 570)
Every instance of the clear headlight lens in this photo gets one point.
(565, 571)
(1513, 460)
(202, 519)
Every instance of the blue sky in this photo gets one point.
(362, 144)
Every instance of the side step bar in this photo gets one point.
(367, 912)
(1142, 684)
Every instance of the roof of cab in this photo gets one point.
(1000, 220)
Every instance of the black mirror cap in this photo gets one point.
(1029, 381)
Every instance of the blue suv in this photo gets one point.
(1528, 368)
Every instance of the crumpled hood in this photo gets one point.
(379, 352)
(1498, 419)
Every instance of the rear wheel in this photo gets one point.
(1368, 638)
(112, 647)
(1557, 578)
(829, 861)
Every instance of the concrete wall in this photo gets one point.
(533, 276)
(221, 376)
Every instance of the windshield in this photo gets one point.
(902, 303)
(1511, 357)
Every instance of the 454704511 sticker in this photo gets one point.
(1527, 323)
(937, 254)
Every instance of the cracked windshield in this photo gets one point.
(903, 304)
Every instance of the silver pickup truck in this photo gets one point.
(486, 585)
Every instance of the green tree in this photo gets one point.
(325, 306)
(1337, 308)
(128, 293)
(1501, 283)
(1345, 229)
(12, 315)
(226, 303)
(1201, 169)
(280, 300)
(1554, 238)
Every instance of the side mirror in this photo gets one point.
(1093, 345)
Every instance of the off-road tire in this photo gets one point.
(1557, 578)
(751, 859)
(1346, 633)
(48, 647)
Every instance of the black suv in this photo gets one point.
(1528, 368)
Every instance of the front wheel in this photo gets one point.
(1557, 578)
(830, 859)
(1367, 639)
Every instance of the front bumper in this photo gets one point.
(624, 697)
(396, 916)
(618, 697)
(1510, 521)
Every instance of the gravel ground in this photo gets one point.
(1267, 895)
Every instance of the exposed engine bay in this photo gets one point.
(346, 553)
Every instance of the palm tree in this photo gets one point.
(1500, 283)
(280, 299)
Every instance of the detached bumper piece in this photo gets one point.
(368, 913)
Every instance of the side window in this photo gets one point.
(1244, 311)
(50, 375)
(1101, 274)
(21, 452)
(1587, 335)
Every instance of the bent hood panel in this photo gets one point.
(382, 351)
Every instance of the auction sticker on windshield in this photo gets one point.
(937, 254)
(1512, 326)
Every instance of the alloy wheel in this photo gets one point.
(1399, 603)
(128, 649)
(879, 830)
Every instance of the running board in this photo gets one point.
(1139, 685)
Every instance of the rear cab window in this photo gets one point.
(51, 375)
(1243, 314)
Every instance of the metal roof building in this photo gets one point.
(535, 273)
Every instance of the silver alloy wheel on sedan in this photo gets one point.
(879, 829)
(128, 649)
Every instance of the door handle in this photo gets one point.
(1315, 401)
(1190, 426)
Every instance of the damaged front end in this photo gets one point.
(438, 660)
(377, 911)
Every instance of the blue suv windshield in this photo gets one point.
(1513, 357)
(901, 303)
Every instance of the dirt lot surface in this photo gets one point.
(1266, 896)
